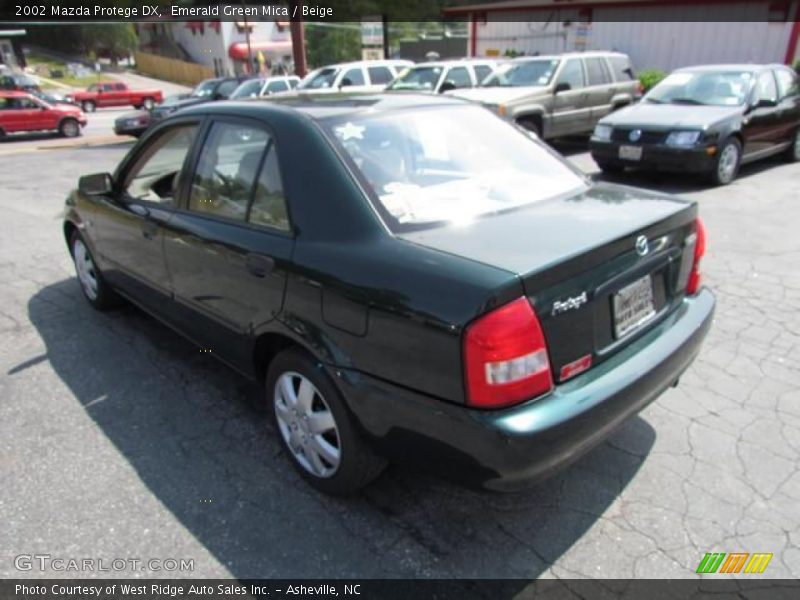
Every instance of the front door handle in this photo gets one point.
(259, 265)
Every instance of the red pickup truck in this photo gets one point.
(115, 94)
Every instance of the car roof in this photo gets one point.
(727, 67)
(324, 106)
(368, 63)
(456, 62)
(563, 55)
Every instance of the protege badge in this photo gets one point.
(573, 303)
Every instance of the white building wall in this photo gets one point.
(657, 39)
(202, 47)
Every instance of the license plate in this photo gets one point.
(630, 152)
(633, 306)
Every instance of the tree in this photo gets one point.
(117, 40)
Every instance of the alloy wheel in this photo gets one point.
(307, 424)
(70, 128)
(85, 268)
(728, 161)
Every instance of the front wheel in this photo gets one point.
(316, 428)
(95, 289)
(726, 166)
(148, 103)
(88, 106)
(69, 128)
(793, 151)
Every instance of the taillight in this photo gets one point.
(505, 357)
(695, 278)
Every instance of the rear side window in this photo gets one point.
(354, 76)
(227, 170)
(766, 88)
(788, 83)
(380, 75)
(293, 83)
(4, 103)
(597, 71)
(459, 76)
(621, 66)
(269, 203)
(482, 72)
(277, 86)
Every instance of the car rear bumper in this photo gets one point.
(512, 448)
(657, 156)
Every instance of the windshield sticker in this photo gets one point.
(350, 131)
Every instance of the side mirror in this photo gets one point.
(765, 103)
(345, 82)
(563, 87)
(97, 184)
(446, 86)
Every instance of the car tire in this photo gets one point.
(88, 106)
(94, 287)
(69, 128)
(532, 125)
(792, 153)
(610, 167)
(727, 162)
(148, 104)
(315, 426)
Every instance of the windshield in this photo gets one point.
(322, 78)
(204, 88)
(249, 89)
(720, 88)
(517, 74)
(418, 78)
(426, 168)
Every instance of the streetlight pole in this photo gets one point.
(247, 39)
(298, 41)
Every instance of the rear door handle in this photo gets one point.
(259, 265)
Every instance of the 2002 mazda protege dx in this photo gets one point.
(410, 277)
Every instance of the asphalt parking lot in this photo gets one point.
(118, 439)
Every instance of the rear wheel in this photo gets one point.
(316, 428)
(148, 103)
(726, 166)
(95, 289)
(88, 106)
(69, 128)
(793, 152)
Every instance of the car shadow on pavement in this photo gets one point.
(186, 425)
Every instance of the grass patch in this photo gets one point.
(43, 65)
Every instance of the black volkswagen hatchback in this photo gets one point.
(409, 277)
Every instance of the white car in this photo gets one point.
(265, 86)
(442, 76)
(363, 76)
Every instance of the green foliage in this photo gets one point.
(797, 66)
(118, 39)
(325, 46)
(650, 77)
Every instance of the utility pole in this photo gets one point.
(298, 41)
(247, 39)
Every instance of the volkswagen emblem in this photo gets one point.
(642, 247)
(635, 135)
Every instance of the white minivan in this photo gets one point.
(362, 76)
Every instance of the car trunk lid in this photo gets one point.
(577, 258)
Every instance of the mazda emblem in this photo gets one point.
(642, 247)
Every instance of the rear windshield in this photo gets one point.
(418, 79)
(517, 74)
(425, 168)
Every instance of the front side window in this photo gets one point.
(572, 74)
(426, 168)
(204, 89)
(713, 88)
(320, 79)
(523, 73)
(249, 89)
(227, 169)
(155, 175)
(788, 83)
(353, 77)
(93, 88)
(459, 76)
(274, 87)
(226, 88)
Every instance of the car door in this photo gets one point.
(788, 103)
(228, 249)
(761, 126)
(129, 226)
(9, 121)
(29, 115)
(600, 88)
(118, 95)
(569, 114)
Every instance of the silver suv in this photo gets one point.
(560, 94)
